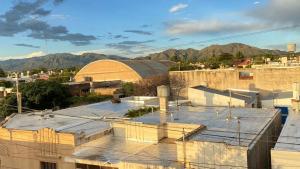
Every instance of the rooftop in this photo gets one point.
(218, 128)
(76, 119)
(114, 150)
(146, 68)
(289, 138)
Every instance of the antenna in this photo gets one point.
(229, 116)
(184, 147)
(239, 130)
(19, 95)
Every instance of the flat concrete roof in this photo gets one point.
(88, 118)
(218, 128)
(289, 139)
(113, 150)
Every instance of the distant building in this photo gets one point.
(106, 76)
(121, 70)
(291, 47)
(243, 63)
(85, 87)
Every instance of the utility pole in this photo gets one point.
(19, 95)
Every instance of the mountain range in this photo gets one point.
(53, 61)
(64, 60)
(211, 51)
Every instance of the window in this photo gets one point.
(245, 75)
(48, 165)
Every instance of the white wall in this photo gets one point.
(286, 102)
(199, 97)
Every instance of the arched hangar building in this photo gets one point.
(121, 70)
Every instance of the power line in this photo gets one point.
(227, 37)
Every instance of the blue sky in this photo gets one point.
(138, 27)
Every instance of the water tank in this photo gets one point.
(291, 47)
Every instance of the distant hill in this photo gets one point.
(52, 61)
(213, 50)
(65, 60)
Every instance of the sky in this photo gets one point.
(133, 28)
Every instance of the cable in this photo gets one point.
(227, 37)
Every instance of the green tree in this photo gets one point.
(43, 94)
(2, 73)
(226, 59)
(8, 106)
(38, 70)
(239, 55)
(128, 88)
(6, 84)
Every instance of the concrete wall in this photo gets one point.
(146, 133)
(131, 165)
(264, 80)
(285, 159)
(200, 97)
(198, 154)
(105, 91)
(285, 102)
(26, 149)
(259, 154)
(204, 154)
(139, 132)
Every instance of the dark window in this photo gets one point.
(245, 75)
(48, 165)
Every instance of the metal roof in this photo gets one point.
(146, 68)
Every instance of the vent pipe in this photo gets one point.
(163, 93)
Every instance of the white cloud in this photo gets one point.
(34, 54)
(59, 16)
(277, 11)
(29, 55)
(178, 7)
(88, 51)
(211, 27)
(256, 2)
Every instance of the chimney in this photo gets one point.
(163, 92)
(296, 97)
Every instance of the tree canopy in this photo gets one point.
(2, 73)
(38, 95)
(43, 94)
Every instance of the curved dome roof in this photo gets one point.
(108, 70)
(146, 68)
